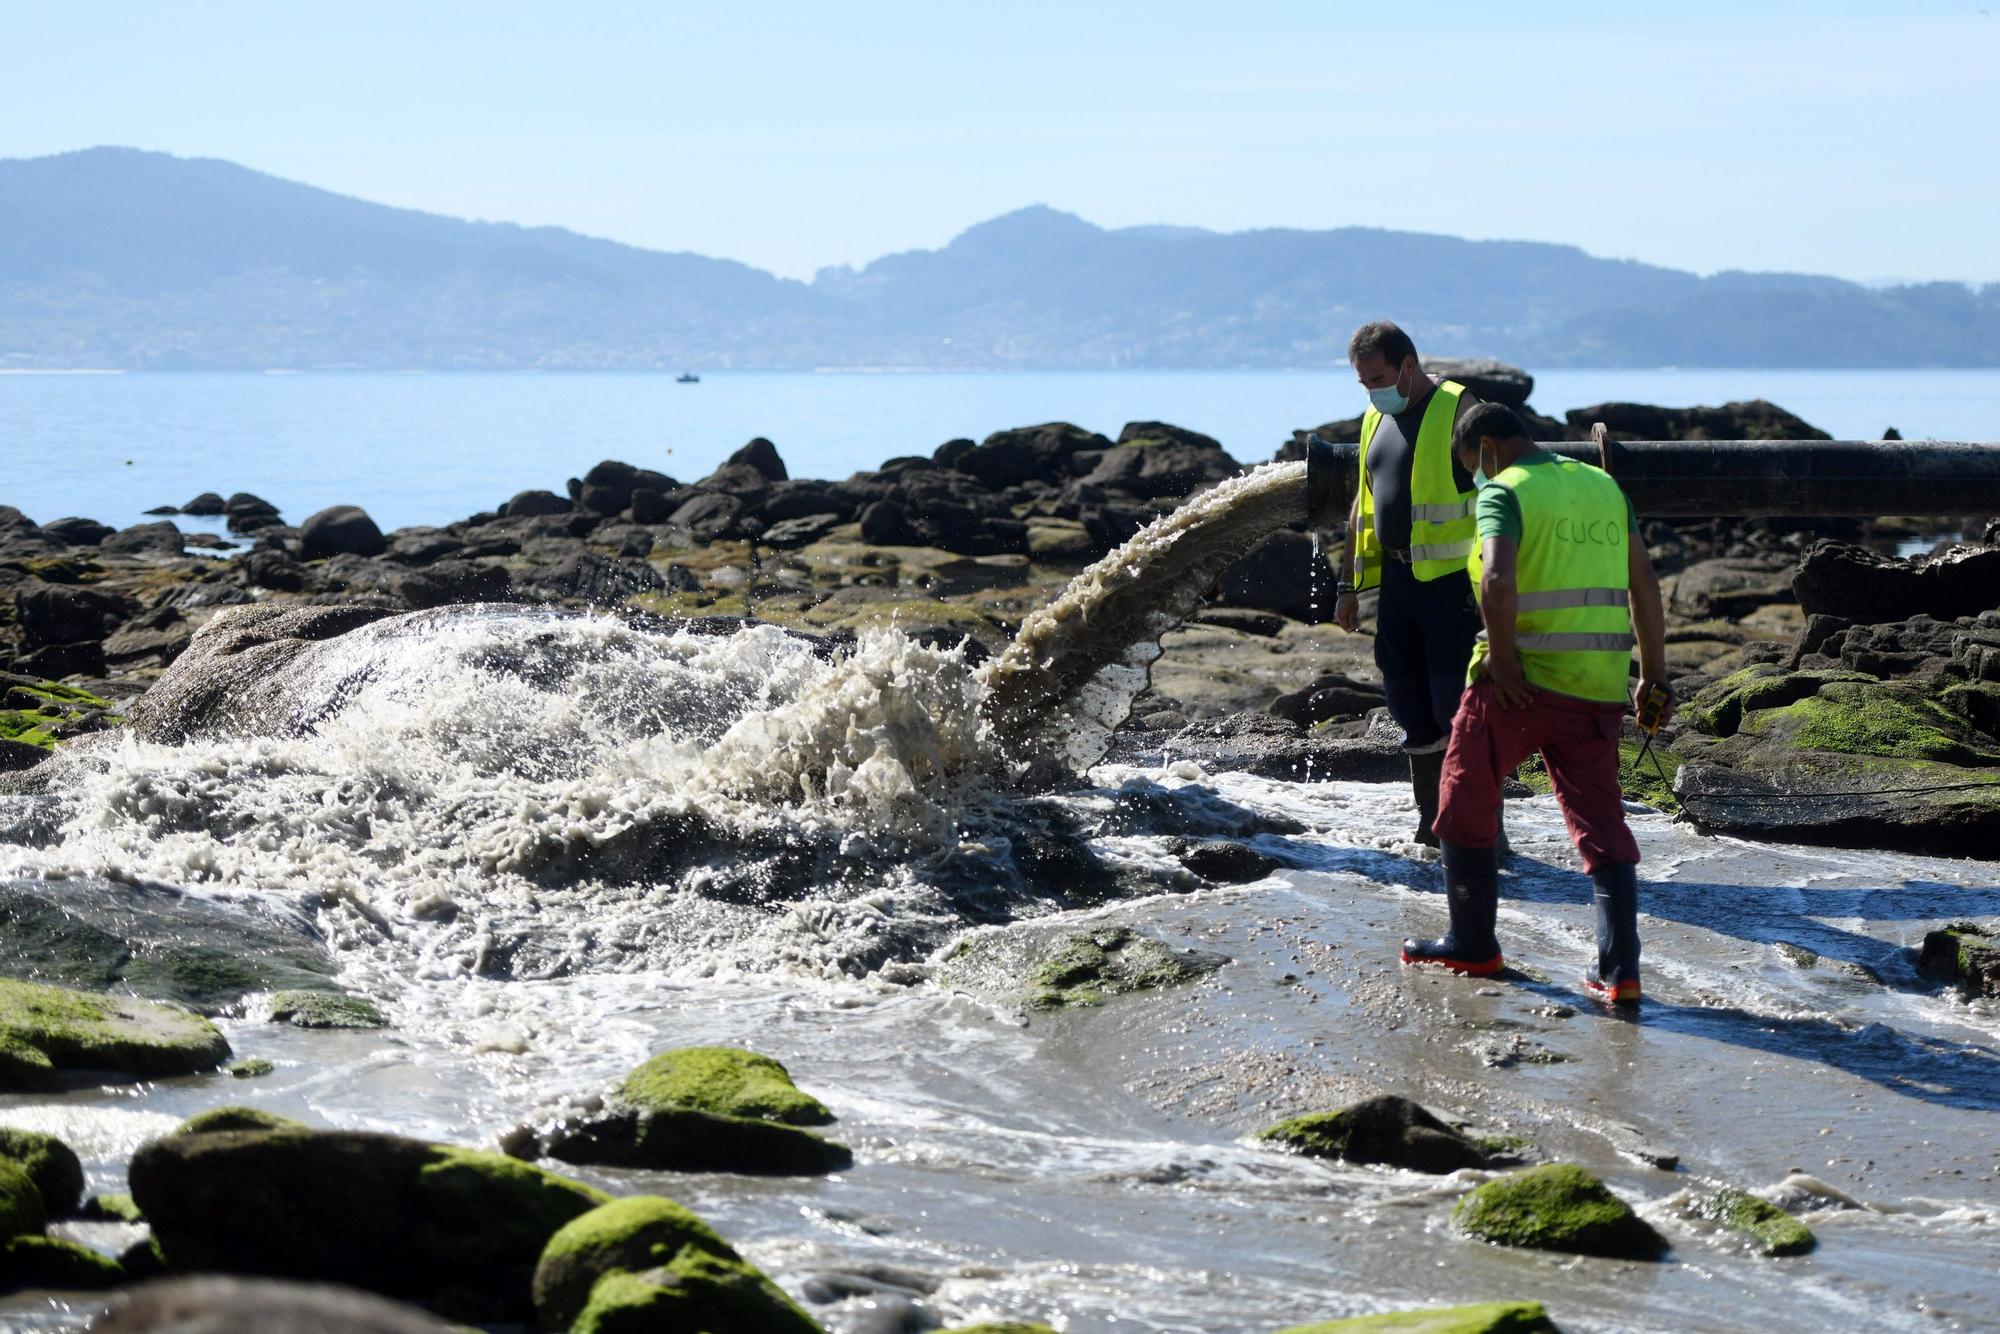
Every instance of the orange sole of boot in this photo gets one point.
(1464, 967)
(1621, 993)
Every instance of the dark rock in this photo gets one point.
(145, 539)
(66, 614)
(799, 532)
(603, 499)
(1385, 1129)
(710, 515)
(614, 477)
(268, 567)
(18, 755)
(78, 532)
(1839, 579)
(449, 1226)
(214, 1304)
(527, 504)
(154, 941)
(1283, 573)
(51, 1164)
(1330, 697)
(1009, 457)
(22, 536)
(1110, 526)
(1930, 809)
(1272, 747)
(800, 500)
(950, 452)
(685, 1140)
(422, 546)
(206, 505)
(884, 524)
(761, 456)
(1264, 624)
(594, 579)
(1225, 861)
(55, 661)
(1965, 954)
(1492, 381)
(1731, 588)
(1154, 460)
(343, 530)
(1754, 420)
(152, 636)
(453, 581)
(648, 506)
(249, 514)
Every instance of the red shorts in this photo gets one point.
(1578, 739)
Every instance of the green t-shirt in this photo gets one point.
(1499, 509)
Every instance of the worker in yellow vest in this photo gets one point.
(1409, 534)
(1565, 589)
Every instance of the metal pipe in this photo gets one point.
(1713, 479)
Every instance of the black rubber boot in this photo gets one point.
(1426, 768)
(1472, 892)
(1617, 898)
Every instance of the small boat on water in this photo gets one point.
(687, 377)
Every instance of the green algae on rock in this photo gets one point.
(21, 1209)
(325, 1009)
(1771, 1230)
(112, 1035)
(1385, 1129)
(54, 1262)
(219, 1120)
(689, 1141)
(724, 1081)
(1041, 970)
(1964, 953)
(48, 708)
(452, 1226)
(251, 1067)
(1557, 1207)
(111, 1207)
(1482, 1318)
(51, 1164)
(662, 1245)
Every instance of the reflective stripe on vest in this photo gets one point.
(1572, 622)
(1572, 597)
(1443, 531)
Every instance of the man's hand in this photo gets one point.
(1510, 688)
(1645, 688)
(1347, 611)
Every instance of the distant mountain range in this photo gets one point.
(116, 257)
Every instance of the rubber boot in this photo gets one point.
(1426, 768)
(1472, 893)
(1617, 898)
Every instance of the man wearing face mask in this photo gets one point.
(1409, 533)
(1566, 589)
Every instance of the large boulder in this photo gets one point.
(456, 1228)
(45, 1030)
(1728, 588)
(22, 1212)
(218, 1304)
(1385, 1129)
(1155, 459)
(1007, 458)
(57, 1263)
(1753, 420)
(343, 530)
(66, 613)
(644, 1262)
(1964, 954)
(1492, 381)
(530, 504)
(700, 1109)
(1557, 1207)
(51, 1164)
(1840, 579)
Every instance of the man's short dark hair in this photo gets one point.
(1496, 420)
(1380, 338)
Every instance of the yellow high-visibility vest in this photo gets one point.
(1572, 623)
(1442, 529)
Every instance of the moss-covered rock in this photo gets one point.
(25, 1068)
(21, 1208)
(1721, 707)
(252, 1067)
(690, 1141)
(433, 1222)
(111, 1207)
(694, 1293)
(665, 1246)
(218, 1120)
(1557, 1207)
(107, 1035)
(52, 1262)
(1964, 953)
(325, 1009)
(47, 710)
(1384, 1129)
(1088, 967)
(1483, 1318)
(1769, 1229)
(51, 1164)
(726, 1081)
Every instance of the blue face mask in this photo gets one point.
(1391, 400)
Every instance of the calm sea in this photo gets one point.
(426, 449)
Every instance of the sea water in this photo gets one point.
(430, 448)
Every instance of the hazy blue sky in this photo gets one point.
(1856, 139)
